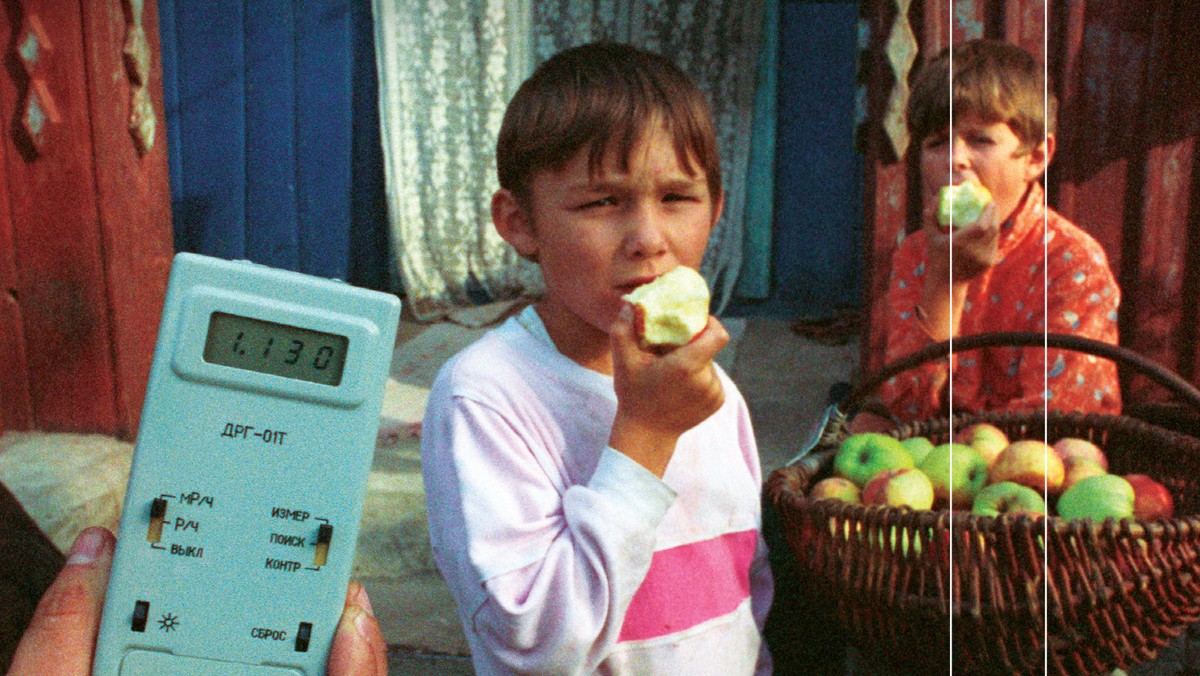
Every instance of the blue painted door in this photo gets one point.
(272, 124)
(817, 238)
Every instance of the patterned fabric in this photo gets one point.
(446, 71)
(1080, 297)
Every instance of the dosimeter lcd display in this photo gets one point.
(277, 349)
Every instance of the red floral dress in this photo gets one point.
(1052, 276)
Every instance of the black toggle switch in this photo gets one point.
(141, 610)
(303, 636)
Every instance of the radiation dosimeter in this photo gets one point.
(249, 473)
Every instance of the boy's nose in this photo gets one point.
(645, 237)
(958, 153)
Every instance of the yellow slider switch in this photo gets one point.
(158, 512)
(324, 536)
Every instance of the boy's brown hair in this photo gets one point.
(596, 96)
(994, 81)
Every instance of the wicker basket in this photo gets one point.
(921, 590)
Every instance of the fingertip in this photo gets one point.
(90, 545)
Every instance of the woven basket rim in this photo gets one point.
(836, 432)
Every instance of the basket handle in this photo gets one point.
(1145, 366)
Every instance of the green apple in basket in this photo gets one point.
(1098, 498)
(1007, 497)
(958, 472)
(918, 448)
(861, 456)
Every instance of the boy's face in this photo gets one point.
(984, 152)
(598, 237)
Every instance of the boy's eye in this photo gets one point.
(679, 197)
(935, 141)
(601, 202)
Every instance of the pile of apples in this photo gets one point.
(986, 473)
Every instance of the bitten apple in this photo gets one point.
(957, 472)
(988, 439)
(1098, 498)
(1007, 497)
(861, 456)
(962, 204)
(1070, 448)
(1030, 463)
(1151, 499)
(674, 307)
(904, 487)
(838, 488)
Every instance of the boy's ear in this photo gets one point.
(717, 209)
(1039, 158)
(513, 223)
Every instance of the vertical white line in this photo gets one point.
(1046, 331)
(950, 319)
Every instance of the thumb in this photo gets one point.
(62, 633)
(358, 647)
(623, 334)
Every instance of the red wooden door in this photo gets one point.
(85, 214)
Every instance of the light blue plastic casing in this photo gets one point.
(248, 478)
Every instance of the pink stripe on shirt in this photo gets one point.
(691, 584)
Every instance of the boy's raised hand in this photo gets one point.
(975, 247)
(661, 395)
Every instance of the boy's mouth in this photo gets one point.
(629, 286)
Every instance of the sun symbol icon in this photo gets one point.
(168, 622)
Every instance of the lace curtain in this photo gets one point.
(446, 71)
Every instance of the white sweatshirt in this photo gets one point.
(565, 556)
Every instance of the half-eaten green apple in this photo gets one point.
(674, 307)
(961, 205)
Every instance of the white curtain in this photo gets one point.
(448, 67)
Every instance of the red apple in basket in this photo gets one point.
(1071, 449)
(1030, 463)
(1081, 468)
(1151, 499)
(903, 487)
(838, 488)
(988, 439)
